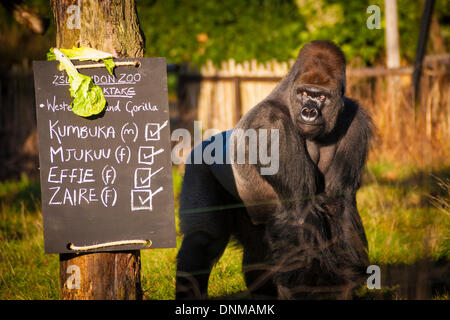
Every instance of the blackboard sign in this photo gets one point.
(106, 179)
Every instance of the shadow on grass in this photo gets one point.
(422, 280)
(25, 192)
(428, 181)
(19, 207)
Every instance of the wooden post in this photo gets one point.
(111, 26)
(237, 92)
(393, 62)
(392, 37)
(422, 43)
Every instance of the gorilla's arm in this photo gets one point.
(343, 176)
(297, 178)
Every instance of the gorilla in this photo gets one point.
(299, 227)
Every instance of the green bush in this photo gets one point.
(196, 31)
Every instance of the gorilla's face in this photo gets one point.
(317, 91)
(314, 110)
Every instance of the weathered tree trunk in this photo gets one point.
(102, 276)
(111, 26)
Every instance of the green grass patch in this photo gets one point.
(402, 223)
(404, 211)
(25, 271)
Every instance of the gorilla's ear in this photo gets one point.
(322, 63)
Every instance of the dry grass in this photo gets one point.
(406, 131)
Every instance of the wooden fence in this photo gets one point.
(406, 131)
(18, 139)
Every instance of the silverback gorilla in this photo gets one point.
(300, 230)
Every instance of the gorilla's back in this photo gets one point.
(257, 196)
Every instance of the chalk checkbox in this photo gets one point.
(142, 199)
(152, 131)
(146, 154)
(142, 178)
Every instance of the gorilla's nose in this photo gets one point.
(309, 114)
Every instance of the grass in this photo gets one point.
(402, 224)
(404, 211)
(25, 271)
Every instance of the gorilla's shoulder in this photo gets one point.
(356, 119)
(357, 108)
(264, 115)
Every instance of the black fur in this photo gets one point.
(300, 228)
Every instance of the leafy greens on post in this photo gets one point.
(88, 97)
(85, 53)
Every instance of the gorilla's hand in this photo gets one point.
(319, 203)
(330, 206)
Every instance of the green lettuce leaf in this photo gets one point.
(109, 64)
(85, 53)
(88, 97)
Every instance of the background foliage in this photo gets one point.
(195, 31)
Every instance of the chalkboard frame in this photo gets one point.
(96, 222)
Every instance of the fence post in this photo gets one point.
(392, 61)
(237, 92)
(422, 42)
